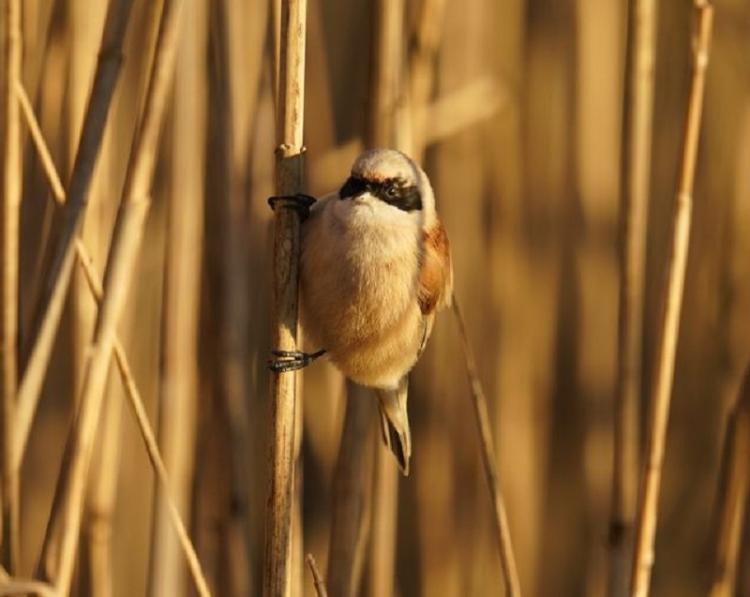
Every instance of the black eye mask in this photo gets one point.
(394, 192)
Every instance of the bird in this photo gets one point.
(375, 268)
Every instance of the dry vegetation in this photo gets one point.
(592, 167)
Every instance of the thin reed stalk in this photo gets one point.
(730, 519)
(500, 518)
(179, 396)
(320, 586)
(57, 278)
(10, 545)
(636, 169)
(661, 383)
(277, 570)
(66, 513)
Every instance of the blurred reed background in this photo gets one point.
(516, 111)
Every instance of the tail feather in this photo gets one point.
(394, 421)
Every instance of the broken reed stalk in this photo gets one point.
(180, 379)
(320, 586)
(730, 515)
(57, 279)
(9, 231)
(661, 386)
(479, 400)
(277, 573)
(636, 169)
(67, 506)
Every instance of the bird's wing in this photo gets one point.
(436, 273)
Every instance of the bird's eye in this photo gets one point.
(391, 191)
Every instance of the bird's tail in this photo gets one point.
(394, 422)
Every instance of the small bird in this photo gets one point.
(375, 267)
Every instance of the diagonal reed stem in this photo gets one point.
(320, 585)
(277, 569)
(502, 528)
(661, 386)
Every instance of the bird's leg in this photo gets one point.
(286, 360)
(300, 203)
(291, 360)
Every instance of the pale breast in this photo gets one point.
(359, 295)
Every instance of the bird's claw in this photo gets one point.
(291, 360)
(299, 202)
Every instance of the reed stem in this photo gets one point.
(636, 169)
(10, 545)
(320, 586)
(661, 383)
(277, 571)
(500, 518)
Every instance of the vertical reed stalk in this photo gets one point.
(730, 517)
(277, 573)
(12, 181)
(66, 513)
(500, 518)
(179, 398)
(58, 277)
(635, 176)
(351, 491)
(661, 386)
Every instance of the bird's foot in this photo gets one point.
(300, 203)
(291, 360)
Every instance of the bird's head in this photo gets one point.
(391, 185)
